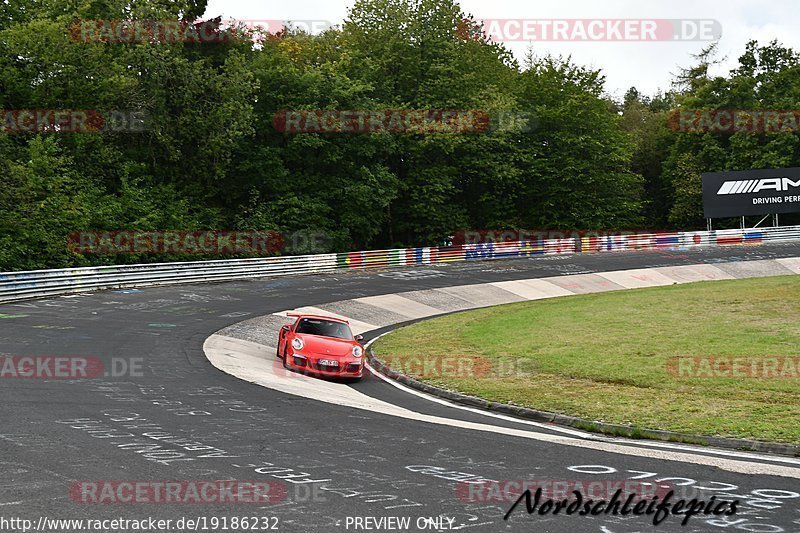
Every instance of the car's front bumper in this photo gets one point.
(348, 368)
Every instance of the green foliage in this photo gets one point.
(562, 156)
(767, 78)
(624, 346)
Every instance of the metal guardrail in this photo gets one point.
(42, 283)
(625, 241)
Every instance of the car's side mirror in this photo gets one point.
(286, 327)
(359, 338)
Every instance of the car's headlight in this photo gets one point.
(297, 344)
(358, 351)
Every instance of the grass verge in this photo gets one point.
(613, 357)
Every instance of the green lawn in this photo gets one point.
(605, 356)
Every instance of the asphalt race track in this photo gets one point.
(170, 415)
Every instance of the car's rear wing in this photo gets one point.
(308, 315)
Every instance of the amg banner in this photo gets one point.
(751, 192)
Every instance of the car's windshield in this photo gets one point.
(324, 328)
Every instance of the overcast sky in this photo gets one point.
(646, 65)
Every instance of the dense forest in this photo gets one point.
(210, 156)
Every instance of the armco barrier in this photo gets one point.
(42, 283)
(656, 241)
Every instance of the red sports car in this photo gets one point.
(321, 345)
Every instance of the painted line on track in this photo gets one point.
(578, 433)
(256, 362)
